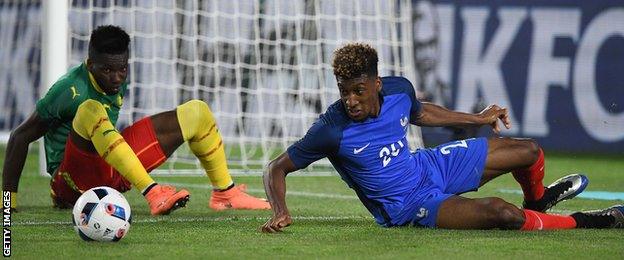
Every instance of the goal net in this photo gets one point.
(263, 66)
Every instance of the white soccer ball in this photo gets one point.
(101, 214)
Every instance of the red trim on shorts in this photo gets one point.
(141, 136)
(148, 146)
(88, 169)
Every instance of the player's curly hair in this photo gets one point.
(108, 39)
(354, 59)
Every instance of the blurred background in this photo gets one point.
(264, 66)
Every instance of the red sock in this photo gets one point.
(541, 221)
(530, 179)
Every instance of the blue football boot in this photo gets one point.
(562, 189)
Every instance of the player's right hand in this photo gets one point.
(492, 114)
(276, 223)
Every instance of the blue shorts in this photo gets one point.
(449, 169)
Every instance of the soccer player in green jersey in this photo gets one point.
(84, 150)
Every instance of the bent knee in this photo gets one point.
(526, 151)
(88, 114)
(90, 107)
(195, 108)
(196, 103)
(530, 151)
(503, 214)
(194, 116)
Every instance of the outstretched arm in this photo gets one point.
(17, 149)
(275, 188)
(434, 115)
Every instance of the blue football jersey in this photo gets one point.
(372, 156)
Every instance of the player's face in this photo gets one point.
(360, 96)
(109, 70)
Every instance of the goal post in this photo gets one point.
(263, 66)
(54, 53)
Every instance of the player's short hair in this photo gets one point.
(355, 59)
(108, 39)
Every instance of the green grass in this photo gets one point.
(323, 227)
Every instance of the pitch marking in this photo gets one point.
(291, 193)
(595, 195)
(201, 219)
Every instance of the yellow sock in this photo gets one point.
(200, 130)
(91, 123)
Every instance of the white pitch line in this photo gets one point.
(323, 195)
(230, 218)
(239, 173)
(205, 219)
(209, 187)
(291, 193)
(200, 219)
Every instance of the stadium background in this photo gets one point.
(557, 65)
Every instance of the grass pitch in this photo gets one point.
(329, 222)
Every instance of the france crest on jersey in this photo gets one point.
(371, 156)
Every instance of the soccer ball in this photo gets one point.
(101, 214)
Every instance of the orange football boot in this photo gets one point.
(236, 198)
(164, 199)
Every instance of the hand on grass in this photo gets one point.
(276, 223)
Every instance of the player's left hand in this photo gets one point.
(276, 223)
(492, 114)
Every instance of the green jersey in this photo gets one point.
(58, 108)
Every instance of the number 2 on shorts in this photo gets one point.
(445, 149)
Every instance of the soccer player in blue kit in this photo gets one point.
(364, 136)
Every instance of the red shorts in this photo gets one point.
(81, 170)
